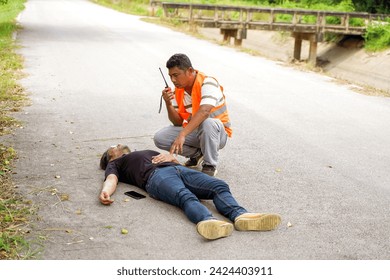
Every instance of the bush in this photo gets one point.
(378, 36)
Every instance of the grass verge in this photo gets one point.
(15, 211)
(137, 7)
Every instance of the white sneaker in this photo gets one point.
(257, 222)
(214, 229)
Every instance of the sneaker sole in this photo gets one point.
(200, 162)
(212, 174)
(214, 229)
(260, 222)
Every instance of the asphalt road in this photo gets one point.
(303, 146)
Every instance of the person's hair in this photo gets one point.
(105, 159)
(180, 61)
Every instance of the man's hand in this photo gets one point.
(168, 95)
(108, 189)
(105, 198)
(177, 145)
(164, 158)
(196, 120)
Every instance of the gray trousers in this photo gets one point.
(209, 138)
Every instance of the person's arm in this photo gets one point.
(202, 114)
(109, 187)
(173, 115)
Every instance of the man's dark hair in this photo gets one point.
(104, 160)
(180, 61)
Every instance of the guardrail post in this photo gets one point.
(295, 18)
(190, 17)
(249, 17)
(272, 17)
(318, 22)
(347, 22)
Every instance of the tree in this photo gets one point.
(372, 6)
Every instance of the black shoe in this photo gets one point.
(209, 170)
(194, 161)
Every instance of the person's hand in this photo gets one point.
(105, 198)
(177, 145)
(168, 95)
(163, 158)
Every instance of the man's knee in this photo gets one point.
(211, 127)
(221, 186)
(208, 124)
(158, 138)
(164, 138)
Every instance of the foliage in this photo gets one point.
(378, 36)
(373, 6)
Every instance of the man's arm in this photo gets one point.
(173, 115)
(202, 114)
(109, 187)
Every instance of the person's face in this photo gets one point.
(181, 78)
(116, 151)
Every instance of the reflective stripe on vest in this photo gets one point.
(219, 112)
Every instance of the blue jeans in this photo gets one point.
(184, 187)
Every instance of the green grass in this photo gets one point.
(14, 210)
(10, 62)
(137, 7)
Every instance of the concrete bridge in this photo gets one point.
(234, 21)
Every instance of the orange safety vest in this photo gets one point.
(219, 112)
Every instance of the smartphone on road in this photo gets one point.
(134, 194)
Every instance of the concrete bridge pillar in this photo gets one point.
(312, 38)
(297, 46)
(313, 50)
(237, 34)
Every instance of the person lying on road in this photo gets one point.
(165, 179)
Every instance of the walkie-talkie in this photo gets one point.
(166, 85)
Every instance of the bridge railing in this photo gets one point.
(234, 21)
(263, 18)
